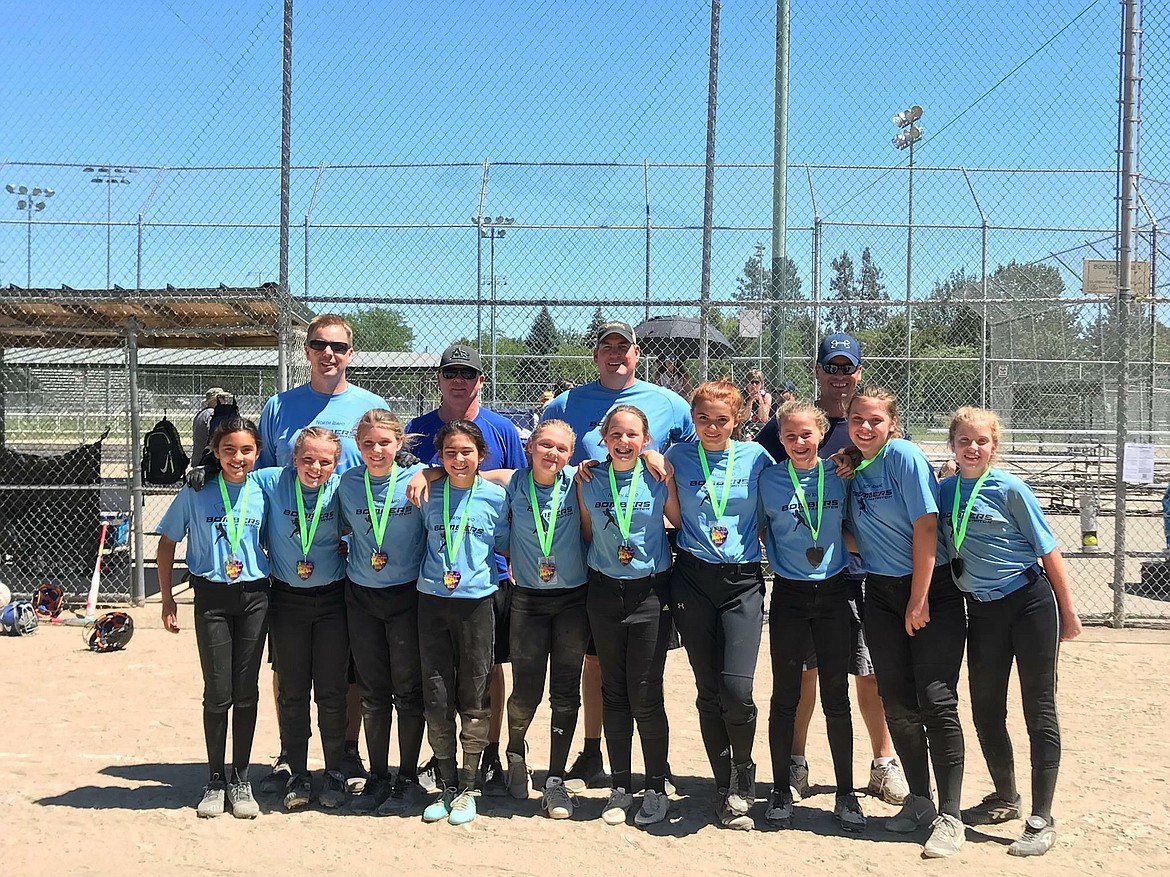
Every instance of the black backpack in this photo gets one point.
(163, 459)
(224, 409)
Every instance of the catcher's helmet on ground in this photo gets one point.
(109, 632)
(48, 601)
(18, 618)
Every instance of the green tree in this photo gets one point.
(595, 323)
(842, 318)
(756, 288)
(381, 329)
(542, 341)
(869, 288)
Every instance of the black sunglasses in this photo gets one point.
(336, 346)
(468, 374)
(832, 369)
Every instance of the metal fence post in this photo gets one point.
(137, 501)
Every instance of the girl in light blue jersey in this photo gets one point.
(915, 622)
(381, 599)
(229, 575)
(1017, 610)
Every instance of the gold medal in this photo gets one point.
(304, 569)
(233, 567)
(378, 560)
(547, 569)
(718, 535)
(451, 579)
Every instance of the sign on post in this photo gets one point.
(1100, 277)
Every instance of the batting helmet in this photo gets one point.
(48, 601)
(18, 618)
(110, 632)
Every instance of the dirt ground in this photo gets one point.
(101, 766)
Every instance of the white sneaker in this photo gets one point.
(654, 808)
(614, 812)
(798, 780)
(917, 812)
(887, 782)
(946, 836)
(556, 801)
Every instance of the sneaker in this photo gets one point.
(917, 812)
(654, 808)
(798, 780)
(729, 818)
(239, 795)
(587, 772)
(992, 810)
(668, 784)
(557, 801)
(376, 791)
(1037, 839)
(405, 795)
(334, 790)
(462, 808)
(946, 836)
(887, 782)
(277, 780)
(439, 809)
(298, 792)
(616, 806)
(742, 793)
(213, 796)
(492, 779)
(428, 776)
(519, 777)
(779, 812)
(848, 813)
(354, 771)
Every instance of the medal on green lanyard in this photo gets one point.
(378, 557)
(233, 566)
(718, 532)
(959, 526)
(624, 516)
(305, 566)
(816, 554)
(546, 567)
(451, 575)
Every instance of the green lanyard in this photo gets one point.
(235, 527)
(307, 541)
(378, 522)
(959, 526)
(626, 515)
(453, 541)
(799, 491)
(864, 463)
(545, 536)
(720, 506)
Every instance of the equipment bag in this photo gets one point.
(163, 459)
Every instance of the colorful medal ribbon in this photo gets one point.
(799, 491)
(719, 505)
(959, 525)
(307, 540)
(235, 527)
(378, 522)
(545, 537)
(626, 515)
(453, 541)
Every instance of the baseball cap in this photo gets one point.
(461, 354)
(839, 344)
(615, 327)
(214, 392)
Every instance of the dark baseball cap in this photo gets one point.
(461, 354)
(839, 344)
(615, 327)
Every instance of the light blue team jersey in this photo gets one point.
(788, 535)
(397, 560)
(198, 517)
(584, 407)
(473, 573)
(732, 538)
(885, 499)
(286, 414)
(568, 548)
(282, 528)
(1005, 534)
(650, 549)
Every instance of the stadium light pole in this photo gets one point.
(27, 202)
(492, 228)
(906, 138)
(111, 176)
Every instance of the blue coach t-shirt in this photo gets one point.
(1005, 534)
(584, 407)
(283, 529)
(885, 499)
(472, 574)
(567, 569)
(789, 536)
(396, 561)
(734, 537)
(198, 517)
(648, 550)
(286, 414)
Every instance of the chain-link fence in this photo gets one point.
(957, 263)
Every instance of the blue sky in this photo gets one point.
(154, 83)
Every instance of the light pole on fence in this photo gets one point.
(111, 176)
(27, 202)
(905, 139)
(492, 228)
